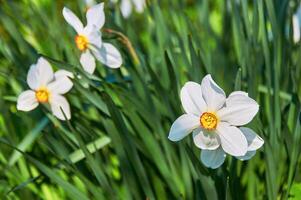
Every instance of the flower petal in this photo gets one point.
(205, 140)
(61, 85)
(184, 125)
(27, 101)
(232, 139)
(239, 110)
(296, 29)
(108, 55)
(192, 99)
(96, 16)
(88, 62)
(90, 3)
(32, 77)
(126, 8)
(213, 158)
(63, 73)
(73, 20)
(94, 37)
(58, 104)
(254, 141)
(139, 5)
(247, 156)
(39, 74)
(239, 92)
(213, 95)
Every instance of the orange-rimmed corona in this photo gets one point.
(42, 95)
(209, 121)
(81, 42)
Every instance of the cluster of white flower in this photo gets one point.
(216, 122)
(48, 87)
(126, 6)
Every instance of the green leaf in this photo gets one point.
(28, 140)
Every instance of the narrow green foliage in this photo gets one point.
(115, 146)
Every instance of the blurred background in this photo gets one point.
(116, 146)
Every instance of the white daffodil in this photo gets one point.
(88, 39)
(213, 118)
(296, 25)
(46, 87)
(90, 3)
(215, 158)
(126, 6)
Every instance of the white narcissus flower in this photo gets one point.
(88, 39)
(296, 25)
(296, 29)
(126, 6)
(46, 87)
(214, 121)
(90, 3)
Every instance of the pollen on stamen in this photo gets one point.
(81, 42)
(42, 95)
(208, 121)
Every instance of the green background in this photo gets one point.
(116, 146)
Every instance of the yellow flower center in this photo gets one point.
(208, 121)
(81, 42)
(42, 95)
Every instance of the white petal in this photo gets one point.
(40, 74)
(239, 93)
(27, 101)
(213, 158)
(59, 103)
(192, 99)
(205, 140)
(96, 16)
(213, 95)
(32, 77)
(94, 37)
(126, 8)
(63, 73)
(139, 5)
(108, 55)
(247, 156)
(184, 125)
(61, 85)
(254, 141)
(90, 3)
(88, 62)
(232, 139)
(296, 29)
(239, 110)
(72, 20)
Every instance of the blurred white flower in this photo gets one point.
(46, 87)
(296, 25)
(214, 119)
(88, 39)
(126, 6)
(90, 3)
